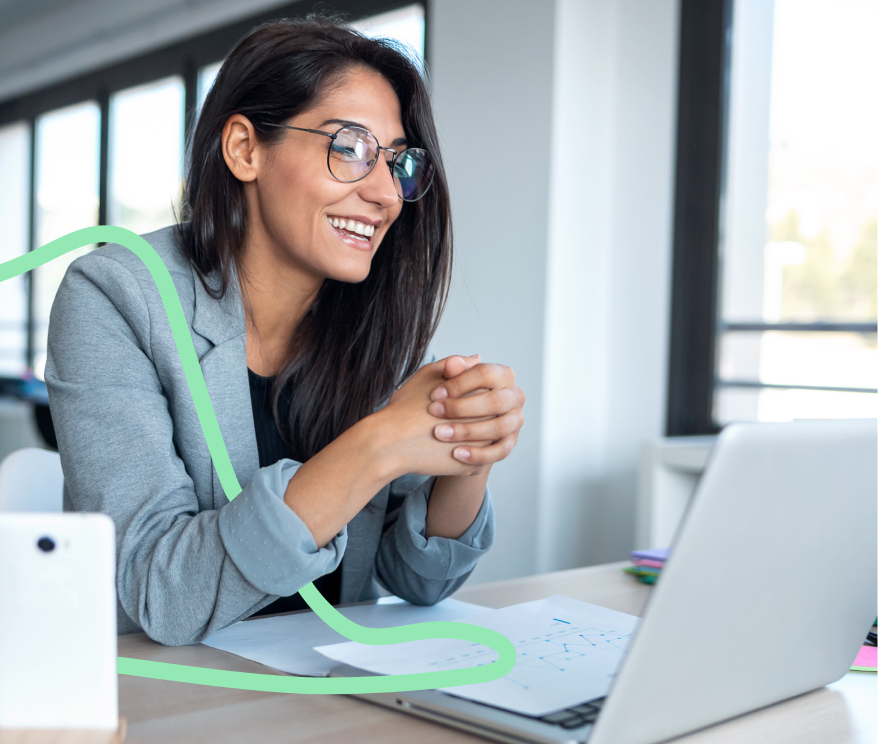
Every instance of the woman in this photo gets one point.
(312, 271)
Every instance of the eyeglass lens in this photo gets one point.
(353, 152)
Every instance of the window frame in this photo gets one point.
(182, 58)
(702, 137)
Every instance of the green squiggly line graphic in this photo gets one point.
(223, 465)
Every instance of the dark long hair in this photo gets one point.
(357, 342)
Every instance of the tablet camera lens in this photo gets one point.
(46, 544)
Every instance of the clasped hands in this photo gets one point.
(456, 416)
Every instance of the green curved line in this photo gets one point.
(223, 465)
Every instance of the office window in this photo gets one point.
(206, 76)
(14, 190)
(405, 25)
(146, 155)
(67, 199)
(774, 279)
(798, 264)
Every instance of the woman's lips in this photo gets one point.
(360, 242)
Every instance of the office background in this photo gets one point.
(664, 212)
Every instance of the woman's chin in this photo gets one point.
(351, 274)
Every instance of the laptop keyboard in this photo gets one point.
(577, 716)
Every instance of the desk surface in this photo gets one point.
(168, 712)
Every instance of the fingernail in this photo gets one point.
(437, 409)
(439, 393)
(461, 453)
(444, 431)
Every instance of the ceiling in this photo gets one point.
(16, 12)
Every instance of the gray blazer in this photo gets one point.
(189, 562)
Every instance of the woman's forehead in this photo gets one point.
(362, 98)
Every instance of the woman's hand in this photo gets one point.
(405, 429)
(481, 403)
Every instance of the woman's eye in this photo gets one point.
(343, 153)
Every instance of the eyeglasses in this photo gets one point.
(353, 152)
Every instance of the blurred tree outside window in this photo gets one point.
(799, 244)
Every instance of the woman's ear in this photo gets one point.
(241, 149)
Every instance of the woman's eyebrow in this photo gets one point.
(347, 123)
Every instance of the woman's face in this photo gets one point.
(292, 196)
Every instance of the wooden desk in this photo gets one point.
(168, 712)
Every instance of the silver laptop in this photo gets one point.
(772, 578)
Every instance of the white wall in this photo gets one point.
(640, 233)
(492, 69)
(563, 268)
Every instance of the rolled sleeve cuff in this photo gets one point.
(441, 558)
(267, 541)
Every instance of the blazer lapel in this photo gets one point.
(224, 367)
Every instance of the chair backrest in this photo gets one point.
(31, 480)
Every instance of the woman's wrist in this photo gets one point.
(373, 437)
(455, 503)
(333, 486)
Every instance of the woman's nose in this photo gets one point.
(379, 186)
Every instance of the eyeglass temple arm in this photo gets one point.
(320, 131)
(325, 134)
(300, 129)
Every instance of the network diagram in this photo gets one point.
(565, 648)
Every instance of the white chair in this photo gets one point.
(31, 480)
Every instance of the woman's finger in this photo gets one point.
(430, 369)
(489, 403)
(480, 376)
(492, 429)
(456, 365)
(486, 455)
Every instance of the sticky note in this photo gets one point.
(866, 660)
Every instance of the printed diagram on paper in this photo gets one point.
(562, 650)
(567, 652)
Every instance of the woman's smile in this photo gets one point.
(353, 231)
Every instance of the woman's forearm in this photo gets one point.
(455, 503)
(330, 489)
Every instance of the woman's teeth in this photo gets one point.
(353, 228)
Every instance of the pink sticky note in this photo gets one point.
(867, 657)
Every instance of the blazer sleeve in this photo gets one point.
(423, 570)
(182, 571)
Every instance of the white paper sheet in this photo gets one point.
(567, 652)
(286, 642)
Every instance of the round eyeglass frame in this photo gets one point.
(334, 135)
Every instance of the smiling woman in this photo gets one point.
(312, 265)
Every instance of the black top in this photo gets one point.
(271, 449)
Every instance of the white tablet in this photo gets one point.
(57, 622)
